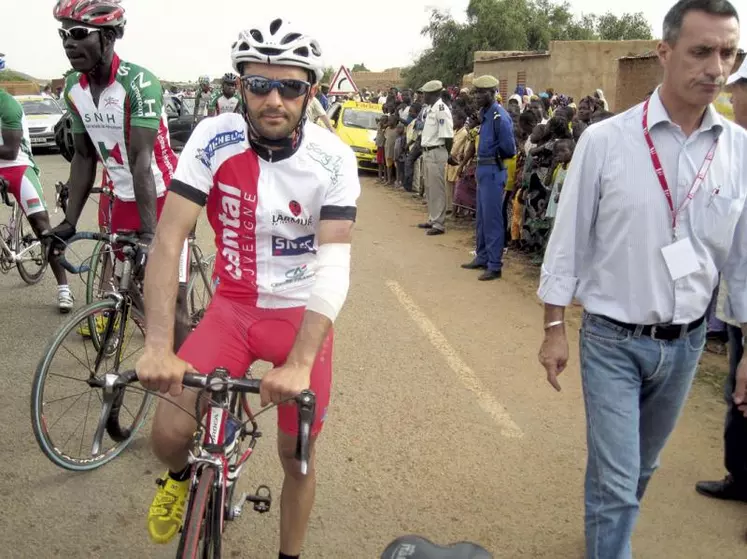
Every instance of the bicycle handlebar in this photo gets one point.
(218, 381)
(111, 238)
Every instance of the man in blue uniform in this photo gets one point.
(496, 144)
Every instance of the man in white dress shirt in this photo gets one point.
(643, 229)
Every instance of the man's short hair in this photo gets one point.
(674, 18)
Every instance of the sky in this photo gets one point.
(183, 39)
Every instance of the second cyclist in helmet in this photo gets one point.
(227, 101)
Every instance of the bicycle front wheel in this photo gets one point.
(199, 525)
(65, 404)
(33, 262)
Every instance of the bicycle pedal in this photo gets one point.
(262, 499)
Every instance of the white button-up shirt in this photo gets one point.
(438, 125)
(613, 220)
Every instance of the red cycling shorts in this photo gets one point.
(125, 215)
(234, 334)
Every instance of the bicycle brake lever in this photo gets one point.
(111, 381)
(306, 403)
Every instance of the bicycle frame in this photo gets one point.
(8, 253)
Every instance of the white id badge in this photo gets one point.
(680, 258)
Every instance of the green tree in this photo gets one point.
(510, 25)
(329, 73)
(627, 27)
(360, 68)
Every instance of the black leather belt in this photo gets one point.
(429, 148)
(662, 332)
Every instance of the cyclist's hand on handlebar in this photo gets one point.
(143, 248)
(284, 382)
(57, 236)
(162, 371)
(553, 354)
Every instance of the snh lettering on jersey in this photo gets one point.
(237, 214)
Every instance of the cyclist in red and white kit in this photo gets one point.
(281, 195)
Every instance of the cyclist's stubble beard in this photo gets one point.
(273, 118)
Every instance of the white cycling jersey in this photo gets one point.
(265, 210)
(133, 98)
(222, 104)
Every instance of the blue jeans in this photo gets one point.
(634, 390)
(491, 233)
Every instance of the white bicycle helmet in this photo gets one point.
(278, 43)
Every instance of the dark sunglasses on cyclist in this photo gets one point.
(288, 89)
(77, 33)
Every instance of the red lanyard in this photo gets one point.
(697, 182)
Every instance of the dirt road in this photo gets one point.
(441, 424)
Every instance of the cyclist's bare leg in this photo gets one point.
(297, 498)
(40, 222)
(173, 429)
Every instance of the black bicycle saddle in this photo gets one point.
(415, 547)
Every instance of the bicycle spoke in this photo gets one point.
(85, 422)
(69, 436)
(63, 398)
(88, 367)
(67, 377)
(63, 413)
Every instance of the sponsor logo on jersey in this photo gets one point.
(295, 208)
(111, 102)
(100, 120)
(34, 203)
(232, 241)
(222, 140)
(114, 153)
(292, 247)
(294, 275)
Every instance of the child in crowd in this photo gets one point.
(390, 137)
(562, 154)
(380, 145)
(400, 153)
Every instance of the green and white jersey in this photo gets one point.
(223, 104)
(13, 118)
(202, 101)
(133, 98)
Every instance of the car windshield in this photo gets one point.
(189, 105)
(41, 107)
(360, 119)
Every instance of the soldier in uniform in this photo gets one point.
(436, 139)
(496, 143)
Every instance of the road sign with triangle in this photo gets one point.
(342, 83)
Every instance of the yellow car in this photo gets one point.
(355, 124)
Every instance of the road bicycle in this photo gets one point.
(117, 333)
(98, 272)
(19, 247)
(219, 451)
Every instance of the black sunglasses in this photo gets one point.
(77, 33)
(288, 89)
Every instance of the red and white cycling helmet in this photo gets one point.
(279, 43)
(94, 13)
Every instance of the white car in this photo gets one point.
(42, 113)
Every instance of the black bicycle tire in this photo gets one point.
(30, 279)
(189, 543)
(95, 265)
(37, 392)
(196, 276)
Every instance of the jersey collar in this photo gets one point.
(115, 66)
(273, 156)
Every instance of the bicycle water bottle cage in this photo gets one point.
(416, 547)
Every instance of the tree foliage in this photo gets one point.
(360, 68)
(525, 25)
(329, 73)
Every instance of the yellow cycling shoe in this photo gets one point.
(166, 512)
(85, 330)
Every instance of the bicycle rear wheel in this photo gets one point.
(199, 523)
(62, 380)
(33, 264)
(98, 281)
